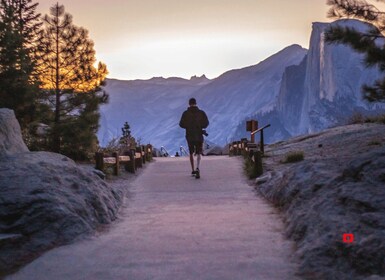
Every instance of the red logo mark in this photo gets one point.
(348, 237)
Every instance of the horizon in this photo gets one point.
(201, 76)
(146, 39)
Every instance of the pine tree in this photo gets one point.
(19, 25)
(371, 42)
(67, 74)
(78, 132)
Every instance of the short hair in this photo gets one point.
(192, 101)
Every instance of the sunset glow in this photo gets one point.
(143, 39)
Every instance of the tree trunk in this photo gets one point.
(56, 133)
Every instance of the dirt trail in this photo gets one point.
(177, 227)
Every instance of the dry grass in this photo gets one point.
(294, 156)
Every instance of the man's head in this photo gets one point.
(192, 102)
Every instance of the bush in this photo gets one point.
(249, 168)
(358, 118)
(252, 169)
(294, 157)
(376, 119)
(112, 146)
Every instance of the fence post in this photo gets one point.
(254, 127)
(127, 164)
(139, 161)
(243, 146)
(132, 167)
(117, 166)
(99, 161)
(258, 163)
(149, 152)
(262, 143)
(143, 154)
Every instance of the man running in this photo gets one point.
(194, 121)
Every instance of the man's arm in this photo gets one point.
(205, 120)
(182, 122)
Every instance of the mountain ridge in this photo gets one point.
(217, 97)
(297, 91)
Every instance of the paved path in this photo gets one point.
(177, 227)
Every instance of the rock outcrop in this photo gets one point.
(46, 199)
(338, 189)
(11, 141)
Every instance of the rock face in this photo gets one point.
(337, 189)
(322, 91)
(46, 200)
(238, 94)
(325, 88)
(11, 141)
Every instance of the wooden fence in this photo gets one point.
(250, 149)
(131, 159)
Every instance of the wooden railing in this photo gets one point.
(238, 148)
(243, 146)
(131, 159)
(261, 142)
(250, 149)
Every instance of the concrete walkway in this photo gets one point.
(177, 227)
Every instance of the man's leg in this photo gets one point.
(198, 160)
(198, 149)
(192, 161)
(191, 151)
(199, 152)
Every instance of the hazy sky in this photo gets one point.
(140, 39)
